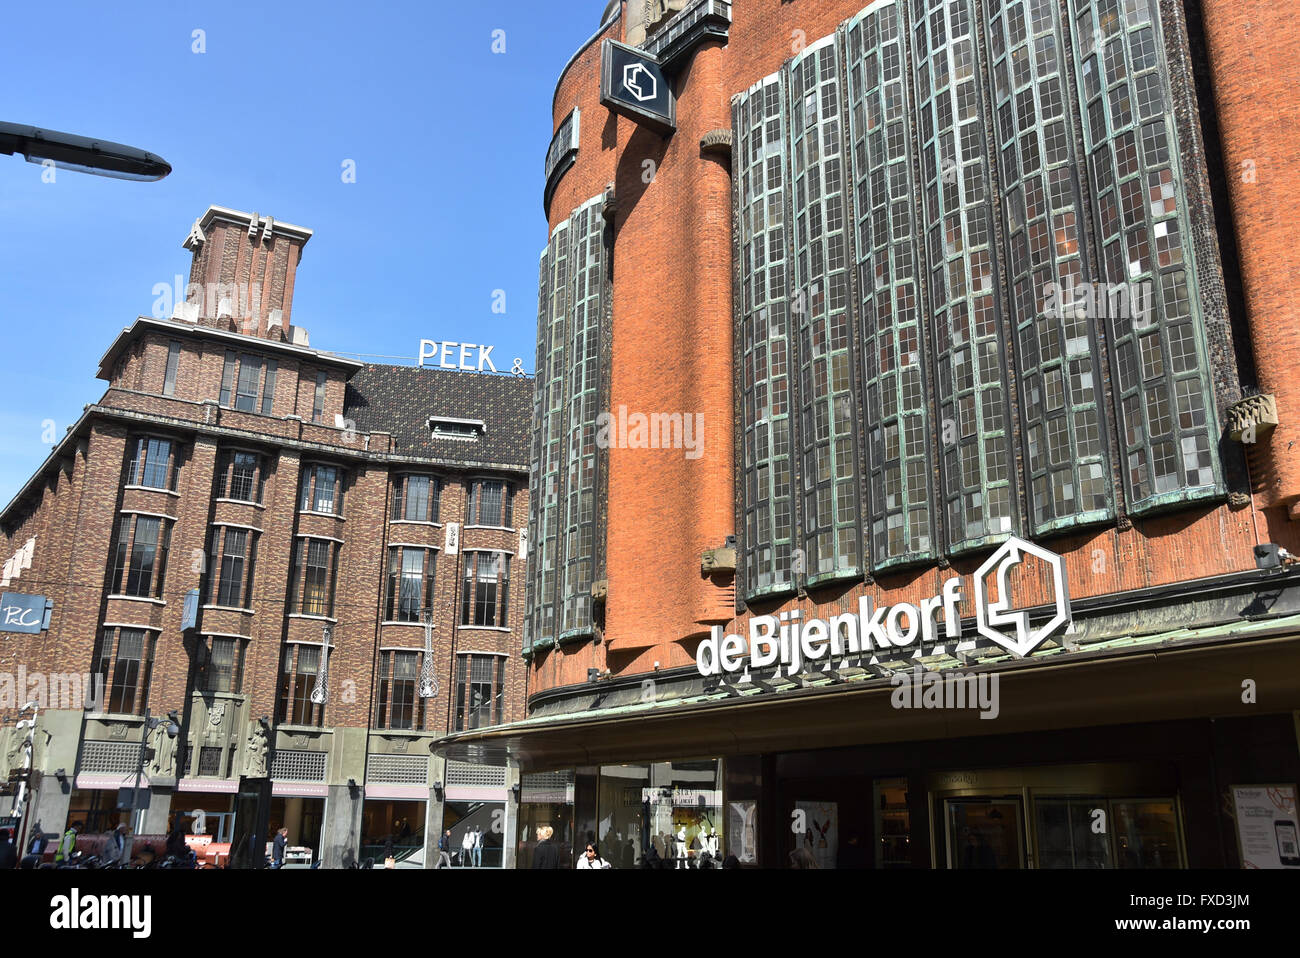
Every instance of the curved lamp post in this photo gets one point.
(81, 153)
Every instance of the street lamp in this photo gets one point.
(81, 153)
(19, 810)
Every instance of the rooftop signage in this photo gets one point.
(451, 355)
(786, 641)
(633, 84)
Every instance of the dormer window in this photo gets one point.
(468, 430)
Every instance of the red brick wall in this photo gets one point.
(672, 334)
(1255, 76)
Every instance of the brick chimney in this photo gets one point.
(242, 275)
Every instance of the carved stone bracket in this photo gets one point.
(717, 142)
(1252, 418)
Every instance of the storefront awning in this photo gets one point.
(1185, 673)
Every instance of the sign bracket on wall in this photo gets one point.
(633, 84)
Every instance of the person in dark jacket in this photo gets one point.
(278, 846)
(8, 854)
(546, 855)
(176, 846)
(444, 850)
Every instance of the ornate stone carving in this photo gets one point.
(644, 17)
(255, 751)
(1252, 418)
(658, 12)
(718, 142)
(163, 763)
(718, 560)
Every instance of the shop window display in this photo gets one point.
(545, 803)
(662, 815)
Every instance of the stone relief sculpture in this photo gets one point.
(647, 16)
(163, 764)
(259, 744)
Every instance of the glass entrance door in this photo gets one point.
(985, 832)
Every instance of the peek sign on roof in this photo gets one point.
(633, 84)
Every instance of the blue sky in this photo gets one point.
(448, 140)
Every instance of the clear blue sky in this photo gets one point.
(449, 139)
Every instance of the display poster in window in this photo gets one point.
(742, 830)
(1268, 833)
(820, 831)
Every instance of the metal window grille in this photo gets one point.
(110, 758)
(463, 773)
(298, 766)
(209, 762)
(398, 769)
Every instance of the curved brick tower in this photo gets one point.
(946, 283)
(1255, 73)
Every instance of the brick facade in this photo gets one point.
(72, 505)
(671, 334)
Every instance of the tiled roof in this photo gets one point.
(400, 400)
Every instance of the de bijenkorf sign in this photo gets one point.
(24, 613)
(633, 84)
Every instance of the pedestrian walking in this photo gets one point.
(478, 847)
(278, 846)
(467, 848)
(545, 854)
(115, 847)
(68, 843)
(444, 850)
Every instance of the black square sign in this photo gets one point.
(633, 84)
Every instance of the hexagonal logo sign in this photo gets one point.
(1000, 621)
(633, 84)
(640, 82)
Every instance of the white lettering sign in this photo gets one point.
(787, 642)
(451, 355)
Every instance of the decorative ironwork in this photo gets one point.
(321, 693)
(428, 678)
